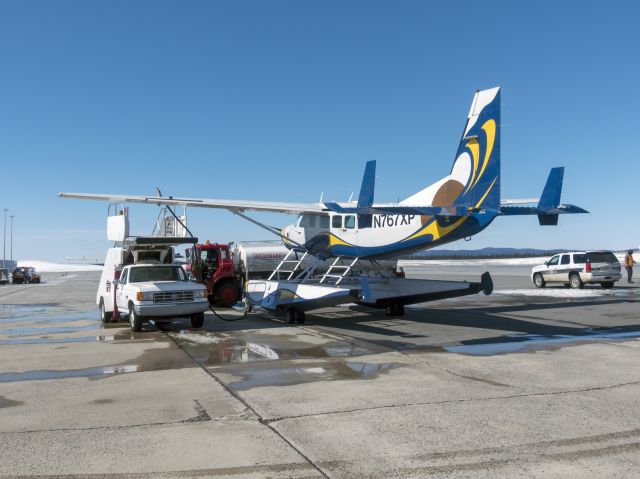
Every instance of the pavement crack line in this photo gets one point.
(451, 401)
(261, 420)
(203, 416)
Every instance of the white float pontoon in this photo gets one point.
(294, 291)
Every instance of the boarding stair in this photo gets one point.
(289, 265)
(337, 272)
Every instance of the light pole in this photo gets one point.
(11, 242)
(4, 240)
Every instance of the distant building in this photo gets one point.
(10, 265)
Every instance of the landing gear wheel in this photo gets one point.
(135, 320)
(300, 317)
(539, 281)
(227, 295)
(105, 317)
(291, 316)
(575, 281)
(197, 320)
(607, 284)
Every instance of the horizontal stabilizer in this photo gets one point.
(533, 210)
(546, 216)
(549, 206)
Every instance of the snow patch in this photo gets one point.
(47, 267)
(474, 262)
(566, 293)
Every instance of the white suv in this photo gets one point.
(577, 268)
(146, 291)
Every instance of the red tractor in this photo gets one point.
(212, 266)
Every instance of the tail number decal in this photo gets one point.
(390, 221)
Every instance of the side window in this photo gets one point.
(580, 258)
(553, 261)
(324, 221)
(350, 222)
(565, 259)
(336, 221)
(364, 221)
(311, 221)
(123, 276)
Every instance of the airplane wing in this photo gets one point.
(231, 205)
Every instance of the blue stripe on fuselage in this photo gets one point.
(473, 225)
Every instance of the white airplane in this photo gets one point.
(458, 206)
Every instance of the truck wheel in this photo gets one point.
(575, 281)
(539, 281)
(227, 294)
(197, 320)
(300, 317)
(135, 320)
(291, 316)
(105, 316)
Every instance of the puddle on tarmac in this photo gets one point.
(51, 323)
(49, 340)
(14, 312)
(214, 349)
(297, 374)
(74, 373)
(34, 331)
(534, 342)
(32, 324)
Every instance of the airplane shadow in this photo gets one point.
(387, 332)
(372, 326)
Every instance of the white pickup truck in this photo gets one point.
(153, 291)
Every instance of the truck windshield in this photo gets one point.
(156, 273)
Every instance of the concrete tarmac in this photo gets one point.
(522, 383)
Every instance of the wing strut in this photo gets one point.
(270, 229)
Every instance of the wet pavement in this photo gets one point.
(523, 366)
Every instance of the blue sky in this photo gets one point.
(283, 100)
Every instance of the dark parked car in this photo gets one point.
(21, 275)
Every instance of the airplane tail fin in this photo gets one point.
(477, 164)
(550, 198)
(367, 189)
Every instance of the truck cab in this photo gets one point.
(156, 290)
(152, 253)
(212, 265)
